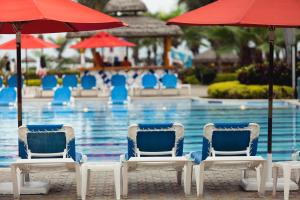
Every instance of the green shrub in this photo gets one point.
(223, 77)
(191, 79)
(37, 82)
(205, 75)
(235, 90)
(258, 74)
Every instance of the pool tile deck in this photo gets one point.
(150, 185)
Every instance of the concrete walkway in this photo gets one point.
(151, 185)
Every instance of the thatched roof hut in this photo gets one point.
(139, 25)
(115, 6)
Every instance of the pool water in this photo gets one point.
(101, 129)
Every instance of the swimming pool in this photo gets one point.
(101, 129)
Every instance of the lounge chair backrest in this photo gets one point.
(155, 140)
(46, 141)
(62, 94)
(88, 82)
(118, 80)
(230, 139)
(70, 80)
(119, 95)
(8, 95)
(149, 81)
(12, 81)
(49, 82)
(169, 81)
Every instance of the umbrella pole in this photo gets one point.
(270, 100)
(17, 27)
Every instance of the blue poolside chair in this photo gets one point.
(153, 140)
(70, 80)
(232, 141)
(149, 85)
(88, 84)
(119, 95)
(118, 80)
(149, 81)
(49, 82)
(8, 96)
(12, 81)
(169, 81)
(56, 143)
(62, 96)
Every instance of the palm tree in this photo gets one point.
(193, 4)
(62, 42)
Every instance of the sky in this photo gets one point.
(153, 6)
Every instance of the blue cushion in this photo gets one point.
(231, 125)
(46, 142)
(49, 82)
(230, 140)
(155, 141)
(88, 82)
(156, 126)
(70, 80)
(118, 80)
(49, 127)
(149, 81)
(12, 81)
(119, 95)
(62, 95)
(8, 95)
(169, 81)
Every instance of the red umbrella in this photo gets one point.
(102, 39)
(47, 16)
(28, 42)
(265, 13)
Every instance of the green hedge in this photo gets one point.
(37, 82)
(236, 90)
(222, 77)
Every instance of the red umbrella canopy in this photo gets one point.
(279, 13)
(29, 42)
(102, 39)
(50, 16)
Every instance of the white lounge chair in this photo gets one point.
(157, 146)
(287, 167)
(231, 146)
(44, 147)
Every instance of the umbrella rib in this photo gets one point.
(70, 26)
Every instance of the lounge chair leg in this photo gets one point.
(16, 186)
(188, 178)
(200, 180)
(275, 176)
(179, 176)
(84, 181)
(117, 176)
(78, 180)
(286, 177)
(125, 180)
